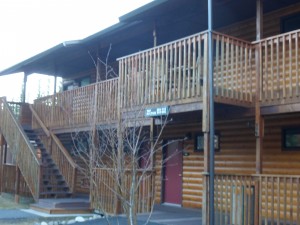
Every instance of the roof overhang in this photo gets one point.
(173, 19)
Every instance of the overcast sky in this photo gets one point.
(29, 27)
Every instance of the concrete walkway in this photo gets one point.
(162, 215)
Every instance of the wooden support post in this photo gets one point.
(259, 19)
(24, 88)
(205, 130)
(55, 84)
(152, 134)
(154, 36)
(17, 185)
(98, 67)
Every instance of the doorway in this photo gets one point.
(172, 191)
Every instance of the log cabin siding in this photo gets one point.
(236, 155)
(246, 30)
(275, 159)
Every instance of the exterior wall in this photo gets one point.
(246, 30)
(275, 160)
(236, 155)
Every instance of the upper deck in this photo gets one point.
(175, 75)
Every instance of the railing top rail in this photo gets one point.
(163, 45)
(258, 175)
(238, 175)
(64, 151)
(231, 37)
(76, 89)
(126, 170)
(276, 175)
(276, 36)
(50, 133)
(3, 100)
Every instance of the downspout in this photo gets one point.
(211, 116)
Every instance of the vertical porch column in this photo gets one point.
(24, 88)
(55, 84)
(208, 130)
(259, 120)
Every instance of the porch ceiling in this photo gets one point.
(173, 19)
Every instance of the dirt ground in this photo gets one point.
(8, 203)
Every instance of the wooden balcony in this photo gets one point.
(79, 107)
(257, 199)
(175, 74)
(279, 81)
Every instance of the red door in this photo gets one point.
(173, 174)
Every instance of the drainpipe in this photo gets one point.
(211, 115)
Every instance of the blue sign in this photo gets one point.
(160, 111)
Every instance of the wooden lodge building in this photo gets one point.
(159, 55)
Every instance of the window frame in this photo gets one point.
(197, 134)
(292, 131)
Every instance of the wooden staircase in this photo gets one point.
(52, 184)
(48, 173)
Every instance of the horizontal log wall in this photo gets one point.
(237, 155)
(246, 30)
(275, 159)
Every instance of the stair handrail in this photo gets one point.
(33, 186)
(40, 122)
(63, 150)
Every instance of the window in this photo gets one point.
(290, 23)
(199, 142)
(291, 138)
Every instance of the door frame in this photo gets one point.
(163, 171)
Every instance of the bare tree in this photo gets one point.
(119, 161)
(118, 157)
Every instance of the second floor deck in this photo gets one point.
(176, 74)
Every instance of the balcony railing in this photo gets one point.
(257, 199)
(166, 74)
(105, 189)
(82, 106)
(176, 73)
(234, 70)
(280, 68)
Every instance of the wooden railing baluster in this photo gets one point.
(24, 152)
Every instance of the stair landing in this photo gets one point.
(63, 206)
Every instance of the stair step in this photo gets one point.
(56, 194)
(63, 205)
